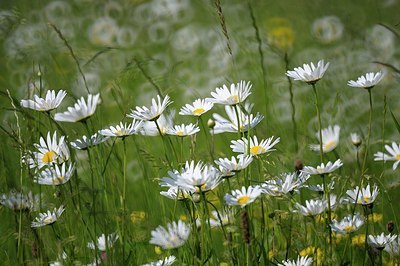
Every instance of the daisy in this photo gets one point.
(288, 183)
(348, 225)
(193, 178)
(221, 218)
(363, 196)
(103, 243)
(199, 107)
(50, 151)
(237, 94)
(380, 241)
(174, 236)
(355, 139)
(50, 102)
(330, 139)
(164, 262)
(48, 217)
(55, 175)
(312, 208)
(322, 169)
(19, 201)
(164, 122)
(152, 114)
(243, 197)
(85, 142)
(368, 81)
(246, 121)
(183, 130)
(81, 110)
(122, 130)
(301, 261)
(235, 164)
(175, 193)
(393, 248)
(394, 154)
(242, 145)
(309, 74)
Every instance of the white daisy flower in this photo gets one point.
(20, 201)
(330, 139)
(48, 217)
(175, 193)
(85, 142)
(199, 107)
(221, 218)
(50, 102)
(103, 242)
(394, 154)
(380, 241)
(348, 224)
(312, 208)
(183, 130)
(254, 148)
(355, 139)
(309, 74)
(50, 151)
(81, 110)
(237, 94)
(368, 81)
(164, 262)
(322, 169)
(54, 175)
(301, 261)
(174, 236)
(235, 164)
(193, 178)
(243, 197)
(246, 121)
(152, 114)
(165, 122)
(122, 130)
(363, 196)
(393, 248)
(288, 183)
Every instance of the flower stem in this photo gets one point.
(369, 133)
(321, 152)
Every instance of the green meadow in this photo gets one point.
(178, 132)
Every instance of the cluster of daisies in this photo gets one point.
(51, 163)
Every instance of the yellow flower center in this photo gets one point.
(257, 150)
(366, 199)
(242, 200)
(58, 180)
(397, 157)
(329, 145)
(234, 98)
(198, 111)
(348, 228)
(49, 157)
(48, 220)
(180, 133)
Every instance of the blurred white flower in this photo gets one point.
(103, 243)
(362, 196)
(122, 130)
(174, 236)
(55, 175)
(348, 224)
(309, 74)
(198, 108)
(236, 94)
(81, 111)
(85, 142)
(183, 130)
(301, 261)
(322, 169)
(330, 139)
(254, 148)
(380, 241)
(50, 102)
(368, 81)
(48, 217)
(152, 114)
(243, 197)
(394, 154)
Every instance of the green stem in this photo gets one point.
(369, 133)
(123, 202)
(286, 58)
(321, 152)
(238, 120)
